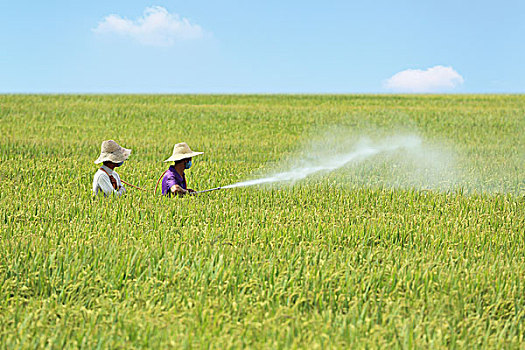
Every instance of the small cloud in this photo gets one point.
(157, 27)
(433, 79)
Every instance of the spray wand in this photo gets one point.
(204, 191)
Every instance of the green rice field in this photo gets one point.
(368, 256)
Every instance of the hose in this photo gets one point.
(157, 185)
(127, 183)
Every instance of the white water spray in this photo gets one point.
(332, 162)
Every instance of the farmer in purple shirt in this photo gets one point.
(174, 181)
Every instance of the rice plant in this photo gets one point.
(361, 257)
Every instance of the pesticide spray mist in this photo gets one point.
(395, 161)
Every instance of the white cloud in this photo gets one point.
(157, 27)
(435, 79)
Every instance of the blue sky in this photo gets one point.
(262, 47)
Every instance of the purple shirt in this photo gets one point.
(172, 178)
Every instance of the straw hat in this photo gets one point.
(182, 151)
(112, 152)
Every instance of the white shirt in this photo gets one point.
(101, 182)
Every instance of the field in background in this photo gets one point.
(322, 263)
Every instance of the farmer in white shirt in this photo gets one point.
(106, 179)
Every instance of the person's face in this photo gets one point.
(184, 162)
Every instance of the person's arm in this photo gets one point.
(176, 189)
(121, 190)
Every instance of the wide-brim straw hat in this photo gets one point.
(110, 151)
(182, 151)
